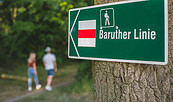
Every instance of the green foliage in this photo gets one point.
(23, 31)
(31, 25)
(37, 24)
(83, 78)
(84, 71)
(82, 3)
(79, 87)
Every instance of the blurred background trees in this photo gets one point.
(31, 25)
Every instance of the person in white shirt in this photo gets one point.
(49, 61)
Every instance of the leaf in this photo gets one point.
(21, 10)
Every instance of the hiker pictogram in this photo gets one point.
(107, 18)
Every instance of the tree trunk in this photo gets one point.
(124, 82)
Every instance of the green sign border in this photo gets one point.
(120, 60)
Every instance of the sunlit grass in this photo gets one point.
(79, 91)
(76, 92)
(12, 88)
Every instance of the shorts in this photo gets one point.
(50, 72)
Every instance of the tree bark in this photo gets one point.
(125, 82)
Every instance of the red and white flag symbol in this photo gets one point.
(87, 33)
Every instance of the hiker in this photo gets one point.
(49, 61)
(32, 71)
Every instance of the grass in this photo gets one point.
(79, 87)
(76, 92)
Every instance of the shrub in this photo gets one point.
(84, 71)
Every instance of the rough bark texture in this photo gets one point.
(124, 82)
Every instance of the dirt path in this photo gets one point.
(68, 82)
(65, 77)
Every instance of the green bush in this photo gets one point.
(79, 87)
(84, 71)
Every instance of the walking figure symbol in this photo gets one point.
(107, 18)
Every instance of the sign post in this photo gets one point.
(134, 31)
